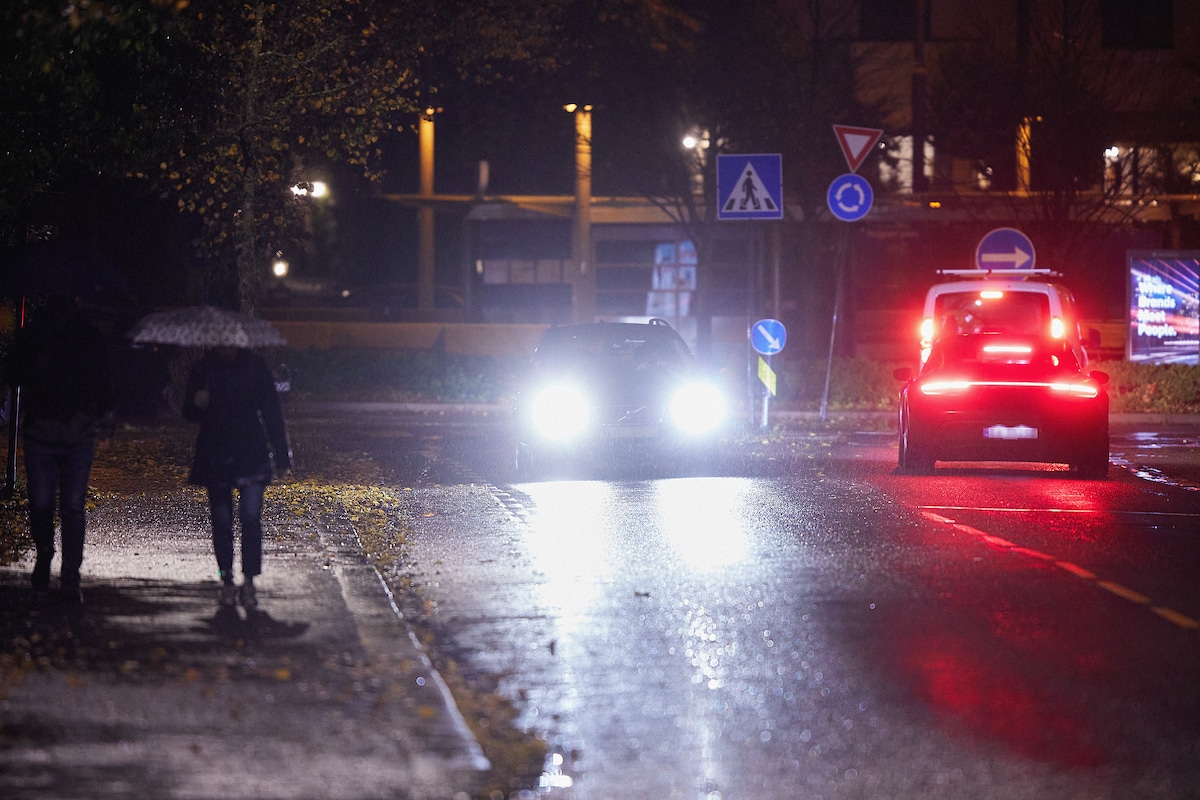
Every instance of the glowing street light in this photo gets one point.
(316, 189)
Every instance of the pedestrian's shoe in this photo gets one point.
(71, 591)
(229, 595)
(40, 579)
(248, 596)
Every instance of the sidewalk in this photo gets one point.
(149, 690)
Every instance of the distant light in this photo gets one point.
(313, 189)
(935, 203)
(279, 267)
(570, 108)
(690, 142)
(1111, 153)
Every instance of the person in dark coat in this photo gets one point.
(232, 395)
(60, 361)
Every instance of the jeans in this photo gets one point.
(59, 470)
(250, 504)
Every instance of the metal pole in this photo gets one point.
(584, 280)
(837, 303)
(426, 269)
(14, 412)
(766, 401)
(14, 407)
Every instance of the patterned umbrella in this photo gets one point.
(205, 326)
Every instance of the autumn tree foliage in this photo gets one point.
(220, 106)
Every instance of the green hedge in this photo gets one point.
(400, 376)
(1161, 388)
(856, 384)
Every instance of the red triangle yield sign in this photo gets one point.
(856, 143)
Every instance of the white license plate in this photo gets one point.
(632, 432)
(1010, 432)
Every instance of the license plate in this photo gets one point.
(1010, 432)
(631, 432)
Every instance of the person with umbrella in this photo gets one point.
(60, 362)
(231, 393)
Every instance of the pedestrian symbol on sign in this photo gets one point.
(749, 186)
(751, 194)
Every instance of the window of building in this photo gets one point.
(1137, 24)
(890, 20)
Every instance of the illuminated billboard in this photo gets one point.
(1164, 306)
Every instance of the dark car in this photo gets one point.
(1000, 397)
(611, 389)
(395, 302)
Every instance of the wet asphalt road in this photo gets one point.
(804, 623)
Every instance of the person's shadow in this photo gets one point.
(256, 626)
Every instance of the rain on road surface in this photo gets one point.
(815, 626)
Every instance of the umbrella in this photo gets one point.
(205, 326)
(60, 267)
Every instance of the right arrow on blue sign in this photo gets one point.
(1005, 248)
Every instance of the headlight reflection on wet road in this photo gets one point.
(569, 538)
(698, 518)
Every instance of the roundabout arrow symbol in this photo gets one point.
(842, 191)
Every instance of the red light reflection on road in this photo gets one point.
(994, 700)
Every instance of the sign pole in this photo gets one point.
(766, 401)
(837, 304)
(767, 337)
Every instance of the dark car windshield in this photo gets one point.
(632, 346)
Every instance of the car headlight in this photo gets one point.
(698, 408)
(559, 413)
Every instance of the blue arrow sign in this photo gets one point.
(850, 197)
(768, 336)
(750, 187)
(1005, 248)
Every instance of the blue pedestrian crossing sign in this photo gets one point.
(750, 186)
(768, 336)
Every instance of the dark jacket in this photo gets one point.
(60, 361)
(242, 418)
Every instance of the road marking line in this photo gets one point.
(1182, 620)
(1077, 570)
(927, 510)
(1025, 551)
(996, 540)
(1121, 591)
(1179, 619)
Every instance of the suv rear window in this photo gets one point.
(1021, 313)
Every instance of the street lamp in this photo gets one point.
(584, 279)
(315, 189)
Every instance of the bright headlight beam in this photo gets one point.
(698, 408)
(560, 412)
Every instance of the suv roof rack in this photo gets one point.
(1007, 273)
